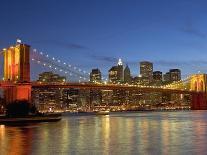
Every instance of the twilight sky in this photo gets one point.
(95, 33)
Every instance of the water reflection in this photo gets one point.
(120, 133)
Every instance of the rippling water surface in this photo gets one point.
(118, 133)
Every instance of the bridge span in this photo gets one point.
(17, 84)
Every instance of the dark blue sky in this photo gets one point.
(95, 33)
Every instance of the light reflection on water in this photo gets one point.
(119, 133)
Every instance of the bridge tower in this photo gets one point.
(17, 70)
(198, 83)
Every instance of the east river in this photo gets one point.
(183, 132)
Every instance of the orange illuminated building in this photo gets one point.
(17, 72)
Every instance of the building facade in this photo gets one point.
(127, 75)
(95, 75)
(50, 99)
(146, 72)
(175, 75)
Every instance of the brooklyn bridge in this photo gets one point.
(17, 85)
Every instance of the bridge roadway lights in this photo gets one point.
(17, 92)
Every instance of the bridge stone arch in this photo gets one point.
(17, 72)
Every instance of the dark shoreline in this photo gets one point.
(30, 119)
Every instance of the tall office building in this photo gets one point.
(95, 75)
(146, 72)
(127, 75)
(17, 63)
(113, 74)
(116, 76)
(166, 77)
(175, 75)
(95, 95)
(120, 69)
(51, 77)
(157, 76)
(116, 73)
(47, 99)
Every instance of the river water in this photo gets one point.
(183, 132)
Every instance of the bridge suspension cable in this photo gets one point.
(56, 65)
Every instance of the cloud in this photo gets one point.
(62, 44)
(103, 58)
(191, 29)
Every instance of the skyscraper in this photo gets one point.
(116, 73)
(157, 76)
(120, 70)
(116, 76)
(127, 75)
(95, 95)
(175, 75)
(47, 99)
(146, 71)
(95, 75)
(166, 77)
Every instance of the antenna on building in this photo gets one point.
(120, 62)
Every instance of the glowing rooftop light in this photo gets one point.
(19, 41)
(120, 62)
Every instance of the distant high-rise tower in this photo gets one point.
(95, 75)
(146, 71)
(116, 73)
(120, 70)
(157, 76)
(166, 77)
(175, 75)
(127, 75)
(17, 63)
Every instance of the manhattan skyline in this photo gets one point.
(95, 34)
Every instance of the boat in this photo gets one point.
(102, 112)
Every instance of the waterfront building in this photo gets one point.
(172, 76)
(95, 95)
(156, 97)
(106, 97)
(116, 76)
(50, 99)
